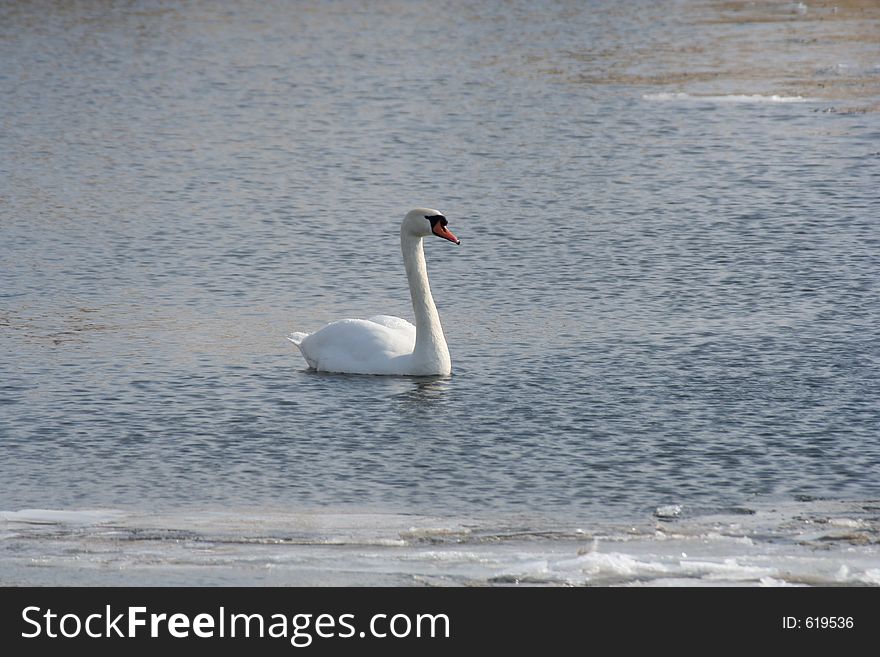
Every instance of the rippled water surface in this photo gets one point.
(666, 292)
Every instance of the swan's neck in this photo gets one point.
(430, 351)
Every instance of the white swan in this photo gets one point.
(385, 344)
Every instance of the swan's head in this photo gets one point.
(422, 222)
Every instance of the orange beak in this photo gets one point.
(445, 233)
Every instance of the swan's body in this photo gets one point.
(384, 344)
(379, 345)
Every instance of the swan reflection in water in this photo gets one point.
(426, 389)
(417, 390)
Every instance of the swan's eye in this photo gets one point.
(434, 218)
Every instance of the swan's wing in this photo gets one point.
(358, 346)
(395, 323)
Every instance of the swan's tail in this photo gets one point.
(297, 337)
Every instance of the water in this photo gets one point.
(663, 316)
